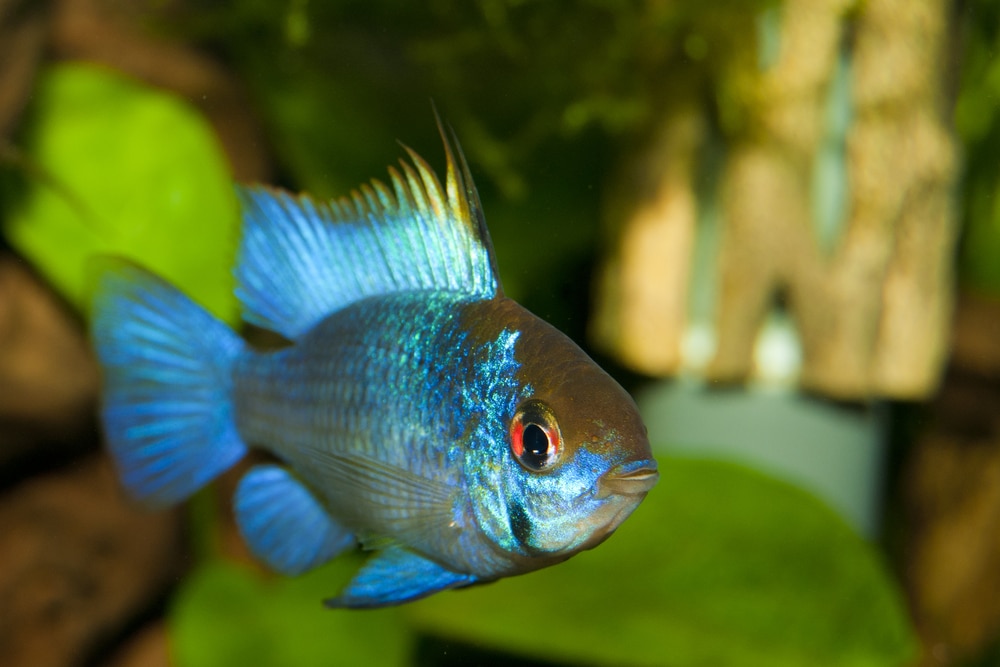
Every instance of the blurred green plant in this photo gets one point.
(225, 614)
(511, 74)
(977, 119)
(119, 168)
(720, 565)
(535, 91)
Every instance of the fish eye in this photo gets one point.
(534, 436)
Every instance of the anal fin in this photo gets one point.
(394, 576)
(284, 524)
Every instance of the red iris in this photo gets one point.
(534, 436)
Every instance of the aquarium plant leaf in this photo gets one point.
(125, 169)
(719, 566)
(227, 615)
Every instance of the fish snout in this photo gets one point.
(628, 479)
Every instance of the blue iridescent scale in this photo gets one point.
(377, 378)
(391, 380)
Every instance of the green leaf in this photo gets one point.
(719, 566)
(128, 170)
(227, 615)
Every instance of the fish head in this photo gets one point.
(572, 455)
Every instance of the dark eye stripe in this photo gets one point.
(520, 524)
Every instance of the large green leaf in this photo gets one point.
(128, 170)
(719, 566)
(226, 615)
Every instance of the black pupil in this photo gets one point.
(536, 446)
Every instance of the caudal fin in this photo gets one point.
(167, 399)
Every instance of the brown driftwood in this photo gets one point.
(22, 38)
(79, 561)
(951, 492)
(48, 375)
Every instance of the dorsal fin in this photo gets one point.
(300, 261)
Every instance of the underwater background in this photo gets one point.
(774, 222)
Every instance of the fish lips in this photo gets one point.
(634, 478)
(618, 492)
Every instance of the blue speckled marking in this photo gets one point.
(398, 381)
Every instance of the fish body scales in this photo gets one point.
(390, 381)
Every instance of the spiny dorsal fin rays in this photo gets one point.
(300, 261)
(463, 196)
(435, 200)
(411, 187)
(432, 186)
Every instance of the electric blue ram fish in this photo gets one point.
(417, 411)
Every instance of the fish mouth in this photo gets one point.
(629, 479)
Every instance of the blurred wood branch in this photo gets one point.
(641, 307)
(871, 311)
(23, 28)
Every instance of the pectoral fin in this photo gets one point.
(402, 504)
(284, 524)
(394, 576)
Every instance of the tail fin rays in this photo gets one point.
(168, 411)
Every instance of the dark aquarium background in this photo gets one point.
(775, 222)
